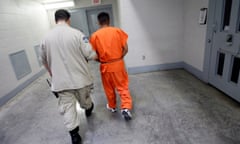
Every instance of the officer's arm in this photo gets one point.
(48, 69)
(43, 57)
(87, 49)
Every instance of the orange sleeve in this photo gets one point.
(93, 42)
(124, 37)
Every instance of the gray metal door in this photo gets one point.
(225, 56)
(79, 20)
(92, 17)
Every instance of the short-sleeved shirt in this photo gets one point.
(109, 43)
(66, 51)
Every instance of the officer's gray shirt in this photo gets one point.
(66, 51)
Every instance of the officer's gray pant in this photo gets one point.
(67, 105)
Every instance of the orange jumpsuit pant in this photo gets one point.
(119, 81)
(109, 43)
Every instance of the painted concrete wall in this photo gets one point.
(194, 34)
(155, 29)
(22, 26)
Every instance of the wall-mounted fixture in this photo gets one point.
(203, 16)
(96, 2)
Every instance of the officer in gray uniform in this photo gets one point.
(65, 52)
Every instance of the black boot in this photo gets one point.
(76, 138)
(88, 112)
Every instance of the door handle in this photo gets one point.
(229, 40)
(209, 41)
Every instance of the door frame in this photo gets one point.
(209, 39)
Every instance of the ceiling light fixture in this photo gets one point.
(59, 5)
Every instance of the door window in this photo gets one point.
(238, 27)
(221, 59)
(235, 70)
(227, 14)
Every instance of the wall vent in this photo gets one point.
(20, 64)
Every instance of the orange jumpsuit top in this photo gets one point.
(109, 42)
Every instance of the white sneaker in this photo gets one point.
(126, 114)
(113, 110)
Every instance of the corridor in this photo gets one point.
(170, 107)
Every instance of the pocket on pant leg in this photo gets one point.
(61, 106)
(84, 97)
(66, 101)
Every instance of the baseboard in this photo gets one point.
(197, 73)
(14, 92)
(152, 68)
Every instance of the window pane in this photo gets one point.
(235, 70)
(221, 59)
(239, 26)
(227, 14)
(239, 19)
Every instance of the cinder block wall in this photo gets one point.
(23, 24)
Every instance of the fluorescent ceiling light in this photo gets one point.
(53, 1)
(59, 5)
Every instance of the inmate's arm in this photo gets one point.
(125, 50)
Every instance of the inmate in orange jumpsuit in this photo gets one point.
(109, 43)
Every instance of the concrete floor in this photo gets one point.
(170, 107)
